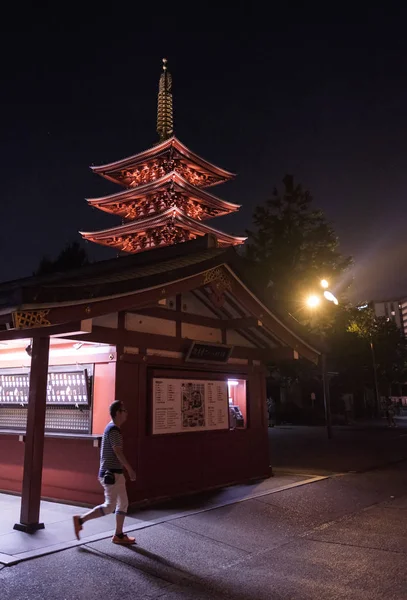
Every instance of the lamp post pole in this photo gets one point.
(376, 386)
(327, 397)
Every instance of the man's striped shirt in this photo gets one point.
(108, 460)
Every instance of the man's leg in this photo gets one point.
(111, 493)
(95, 513)
(119, 522)
(121, 511)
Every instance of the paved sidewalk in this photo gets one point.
(340, 538)
(58, 533)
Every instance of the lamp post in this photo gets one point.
(376, 386)
(327, 397)
(313, 301)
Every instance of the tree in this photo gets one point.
(293, 247)
(349, 344)
(73, 256)
(362, 345)
(381, 336)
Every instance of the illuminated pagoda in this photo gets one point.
(165, 200)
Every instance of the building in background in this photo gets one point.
(395, 310)
(391, 309)
(403, 314)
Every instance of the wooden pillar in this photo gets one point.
(34, 439)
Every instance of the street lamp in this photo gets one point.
(313, 301)
(329, 296)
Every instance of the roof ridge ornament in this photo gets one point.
(165, 119)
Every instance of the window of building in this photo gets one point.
(237, 403)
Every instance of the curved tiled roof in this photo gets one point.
(136, 159)
(148, 188)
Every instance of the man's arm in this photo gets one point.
(118, 450)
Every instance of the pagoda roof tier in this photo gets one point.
(128, 203)
(169, 227)
(202, 172)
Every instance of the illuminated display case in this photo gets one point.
(237, 392)
(69, 394)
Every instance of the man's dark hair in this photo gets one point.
(114, 408)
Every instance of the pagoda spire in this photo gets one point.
(165, 120)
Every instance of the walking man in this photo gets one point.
(112, 462)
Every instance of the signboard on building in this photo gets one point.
(208, 353)
(185, 405)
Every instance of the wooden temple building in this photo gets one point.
(174, 329)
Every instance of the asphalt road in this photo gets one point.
(344, 537)
(359, 447)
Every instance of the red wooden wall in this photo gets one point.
(166, 465)
(169, 465)
(69, 472)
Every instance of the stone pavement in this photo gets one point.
(342, 537)
(57, 518)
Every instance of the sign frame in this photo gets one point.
(208, 345)
(190, 380)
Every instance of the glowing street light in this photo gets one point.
(324, 283)
(313, 301)
(329, 296)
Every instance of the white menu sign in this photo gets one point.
(181, 405)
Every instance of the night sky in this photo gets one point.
(325, 103)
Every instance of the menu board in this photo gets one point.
(185, 405)
(62, 388)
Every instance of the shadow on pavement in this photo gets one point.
(180, 580)
(157, 558)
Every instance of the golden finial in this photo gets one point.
(165, 126)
